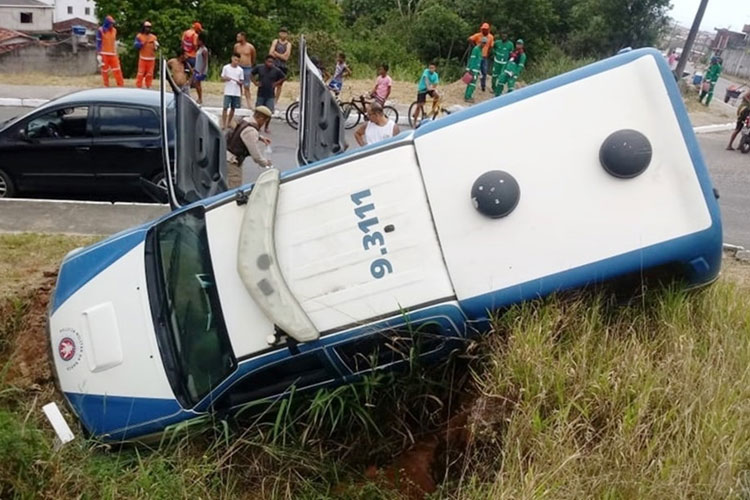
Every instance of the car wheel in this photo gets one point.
(160, 180)
(7, 189)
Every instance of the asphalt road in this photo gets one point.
(729, 170)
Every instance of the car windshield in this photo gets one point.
(193, 333)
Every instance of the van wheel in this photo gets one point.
(7, 189)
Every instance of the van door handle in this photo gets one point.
(83, 148)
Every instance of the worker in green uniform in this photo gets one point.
(503, 48)
(710, 79)
(516, 63)
(474, 67)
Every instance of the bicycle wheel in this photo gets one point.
(292, 115)
(391, 113)
(351, 115)
(412, 109)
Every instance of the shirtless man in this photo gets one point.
(281, 49)
(247, 61)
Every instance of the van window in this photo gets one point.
(123, 121)
(300, 371)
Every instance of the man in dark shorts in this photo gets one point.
(427, 86)
(267, 77)
(743, 111)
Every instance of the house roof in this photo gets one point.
(25, 3)
(11, 40)
(65, 26)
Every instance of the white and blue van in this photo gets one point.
(311, 278)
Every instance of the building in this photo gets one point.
(728, 39)
(70, 9)
(28, 16)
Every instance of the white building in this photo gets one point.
(70, 9)
(28, 16)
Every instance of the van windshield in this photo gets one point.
(192, 336)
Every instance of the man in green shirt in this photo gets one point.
(503, 48)
(710, 79)
(516, 63)
(474, 67)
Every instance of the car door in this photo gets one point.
(126, 145)
(321, 123)
(198, 168)
(51, 151)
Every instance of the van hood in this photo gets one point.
(102, 337)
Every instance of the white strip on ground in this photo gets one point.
(58, 422)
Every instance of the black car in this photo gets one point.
(98, 143)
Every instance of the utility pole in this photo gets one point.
(690, 39)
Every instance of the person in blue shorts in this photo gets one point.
(267, 77)
(232, 76)
(339, 73)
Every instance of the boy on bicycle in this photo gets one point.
(427, 85)
(382, 89)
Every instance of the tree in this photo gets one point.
(602, 27)
(439, 33)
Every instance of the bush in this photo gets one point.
(554, 62)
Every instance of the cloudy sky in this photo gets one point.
(719, 13)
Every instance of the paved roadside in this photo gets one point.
(74, 217)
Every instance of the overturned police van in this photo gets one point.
(306, 278)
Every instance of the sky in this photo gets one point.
(719, 14)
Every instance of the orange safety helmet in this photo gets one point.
(197, 27)
(485, 26)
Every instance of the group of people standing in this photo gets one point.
(506, 60)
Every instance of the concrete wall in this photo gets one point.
(10, 17)
(737, 62)
(53, 60)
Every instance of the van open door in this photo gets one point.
(321, 123)
(200, 168)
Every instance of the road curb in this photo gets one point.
(719, 127)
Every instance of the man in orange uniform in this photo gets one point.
(146, 43)
(190, 43)
(484, 33)
(106, 51)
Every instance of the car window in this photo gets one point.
(198, 345)
(124, 121)
(300, 371)
(63, 123)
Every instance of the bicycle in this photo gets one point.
(359, 105)
(435, 112)
(347, 108)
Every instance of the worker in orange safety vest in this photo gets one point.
(190, 43)
(106, 51)
(146, 43)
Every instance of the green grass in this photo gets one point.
(574, 396)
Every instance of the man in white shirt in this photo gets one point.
(232, 76)
(377, 128)
(244, 141)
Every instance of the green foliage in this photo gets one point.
(602, 27)
(439, 33)
(552, 63)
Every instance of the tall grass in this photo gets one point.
(574, 396)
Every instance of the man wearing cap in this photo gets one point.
(516, 63)
(244, 141)
(190, 43)
(709, 81)
(476, 38)
(146, 44)
(106, 51)
(502, 51)
(474, 67)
